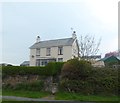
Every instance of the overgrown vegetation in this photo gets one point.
(62, 96)
(76, 69)
(25, 93)
(51, 69)
(79, 76)
(34, 86)
(81, 97)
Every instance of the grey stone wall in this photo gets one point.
(17, 79)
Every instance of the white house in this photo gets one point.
(57, 50)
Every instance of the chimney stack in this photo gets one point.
(38, 39)
(74, 35)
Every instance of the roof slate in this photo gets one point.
(25, 62)
(53, 43)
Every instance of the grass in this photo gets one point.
(81, 97)
(21, 93)
(24, 102)
(61, 96)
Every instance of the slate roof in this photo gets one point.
(25, 63)
(53, 43)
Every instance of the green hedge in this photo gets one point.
(101, 81)
(20, 70)
(54, 68)
(49, 70)
(105, 80)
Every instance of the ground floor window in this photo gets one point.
(60, 59)
(43, 62)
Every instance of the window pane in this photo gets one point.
(60, 59)
(48, 50)
(38, 51)
(37, 62)
(60, 50)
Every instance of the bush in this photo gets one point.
(76, 86)
(54, 68)
(80, 76)
(105, 80)
(76, 69)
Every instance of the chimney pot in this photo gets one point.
(38, 39)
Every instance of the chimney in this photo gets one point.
(38, 39)
(74, 35)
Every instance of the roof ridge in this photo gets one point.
(55, 39)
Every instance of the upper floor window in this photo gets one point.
(38, 52)
(60, 50)
(48, 51)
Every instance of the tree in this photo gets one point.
(88, 47)
(74, 74)
(76, 69)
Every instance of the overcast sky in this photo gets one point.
(23, 21)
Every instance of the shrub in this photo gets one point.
(105, 80)
(80, 76)
(7, 86)
(76, 69)
(54, 68)
(77, 86)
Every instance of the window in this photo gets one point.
(38, 52)
(37, 62)
(60, 50)
(48, 50)
(60, 59)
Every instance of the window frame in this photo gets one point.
(60, 59)
(60, 50)
(37, 51)
(48, 51)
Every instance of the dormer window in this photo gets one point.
(60, 50)
(38, 52)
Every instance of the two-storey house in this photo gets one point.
(58, 50)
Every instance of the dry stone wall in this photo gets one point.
(17, 79)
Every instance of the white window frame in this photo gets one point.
(38, 52)
(48, 51)
(60, 50)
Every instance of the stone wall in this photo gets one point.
(17, 79)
